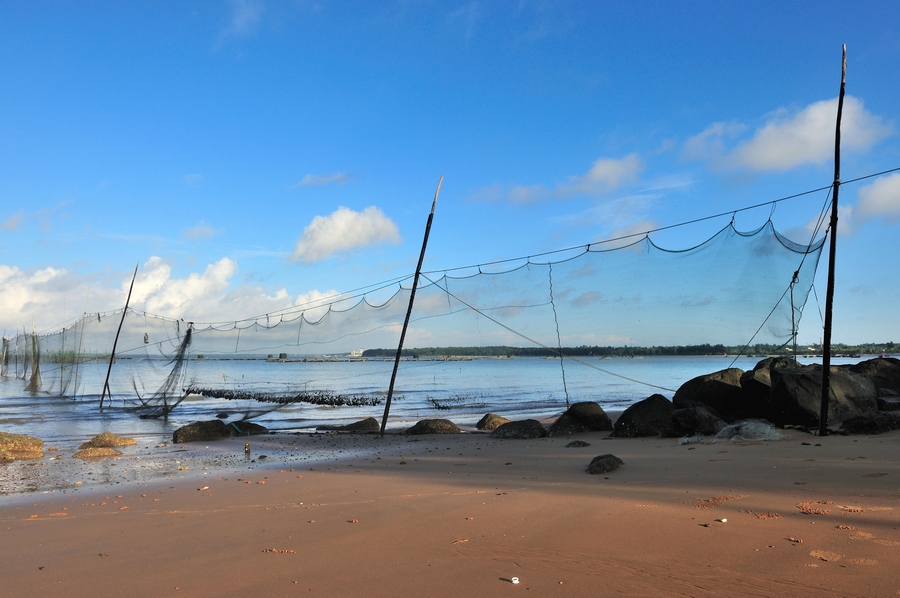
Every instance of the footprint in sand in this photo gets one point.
(864, 561)
(887, 542)
(861, 536)
(826, 555)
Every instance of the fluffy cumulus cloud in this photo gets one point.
(605, 174)
(789, 138)
(51, 298)
(881, 199)
(344, 230)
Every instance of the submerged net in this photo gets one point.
(736, 289)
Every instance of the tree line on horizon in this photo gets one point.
(760, 350)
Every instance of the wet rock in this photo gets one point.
(434, 426)
(491, 421)
(20, 446)
(528, 428)
(216, 430)
(108, 440)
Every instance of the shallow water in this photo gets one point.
(464, 391)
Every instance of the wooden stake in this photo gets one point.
(112, 356)
(412, 298)
(829, 293)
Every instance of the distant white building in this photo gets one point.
(357, 353)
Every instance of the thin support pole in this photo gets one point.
(412, 298)
(112, 355)
(829, 293)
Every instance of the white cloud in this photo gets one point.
(881, 199)
(316, 180)
(790, 138)
(605, 174)
(344, 230)
(200, 231)
(710, 144)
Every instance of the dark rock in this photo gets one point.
(888, 403)
(649, 417)
(604, 464)
(369, 424)
(694, 420)
(872, 423)
(578, 444)
(434, 426)
(215, 430)
(883, 372)
(491, 421)
(796, 396)
(222, 415)
(587, 416)
(720, 390)
(529, 428)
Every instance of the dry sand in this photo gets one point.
(461, 515)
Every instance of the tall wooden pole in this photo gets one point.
(412, 298)
(112, 356)
(829, 294)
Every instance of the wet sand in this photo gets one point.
(461, 515)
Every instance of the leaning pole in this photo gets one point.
(412, 298)
(829, 293)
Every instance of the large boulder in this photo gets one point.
(525, 429)
(215, 429)
(884, 373)
(650, 417)
(491, 421)
(796, 396)
(434, 426)
(872, 423)
(587, 416)
(720, 390)
(691, 421)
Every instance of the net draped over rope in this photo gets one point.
(730, 289)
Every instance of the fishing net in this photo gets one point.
(734, 291)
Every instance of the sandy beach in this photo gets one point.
(462, 515)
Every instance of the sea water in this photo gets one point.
(462, 391)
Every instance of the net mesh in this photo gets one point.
(734, 289)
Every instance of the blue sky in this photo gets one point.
(253, 154)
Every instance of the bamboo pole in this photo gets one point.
(829, 293)
(112, 355)
(412, 298)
